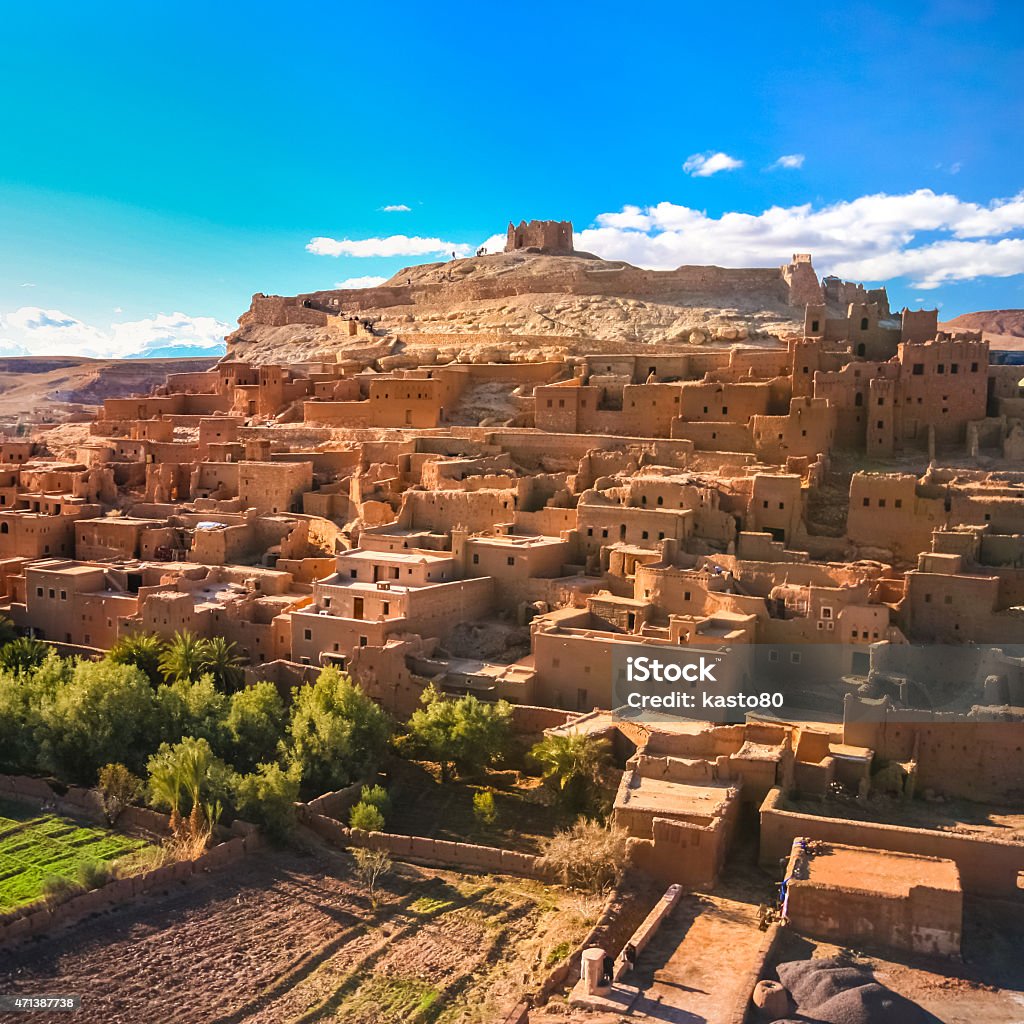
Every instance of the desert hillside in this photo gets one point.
(39, 389)
(1004, 322)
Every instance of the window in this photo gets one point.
(880, 424)
(363, 641)
(974, 367)
(898, 503)
(927, 598)
(39, 591)
(476, 559)
(815, 326)
(881, 502)
(773, 655)
(725, 410)
(765, 504)
(590, 531)
(826, 612)
(782, 505)
(63, 595)
(795, 657)
(511, 560)
(941, 367)
(307, 634)
(954, 367)
(353, 573)
(918, 370)
(327, 602)
(644, 535)
(858, 399)
(387, 607)
(867, 502)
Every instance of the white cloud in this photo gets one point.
(31, 330)
(396, 208)
(703, 165)
(29, 284)
(870, 238)
(118, 309)
(789, 162)
(393, 245)
(361, 282)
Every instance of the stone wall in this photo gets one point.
(461, 856)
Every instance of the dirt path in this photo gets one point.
(697, 962)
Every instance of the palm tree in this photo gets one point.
(217, 656)
(182, 657)
(143, 650)
(23, 654)
(7, 630)
(573, 763)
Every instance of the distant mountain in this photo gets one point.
(184, 351)
(1005, 322)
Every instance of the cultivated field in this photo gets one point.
(287, 937)
(36, 846)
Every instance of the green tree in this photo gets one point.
(117, 788)
(182, 657)
(467, 733)
(187, 708)
(376, 796)
(103, 714)
(22, 696)
(267, 798)
(336, 733)
(23, 654)
(573, 764)
(7, 630)
(217, 657)
(143, 650)
(366, 817)
(187, 778)
(255, 726)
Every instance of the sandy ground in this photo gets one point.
(289, 937)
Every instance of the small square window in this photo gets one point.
(307, 634)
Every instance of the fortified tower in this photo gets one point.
(553, 237)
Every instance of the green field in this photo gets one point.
(34, 846)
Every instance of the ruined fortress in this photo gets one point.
(497, 512)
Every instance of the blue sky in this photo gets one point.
(158, 164)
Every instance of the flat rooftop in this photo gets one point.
(880, 871)
(677, 799)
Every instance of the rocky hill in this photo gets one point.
(546, 303)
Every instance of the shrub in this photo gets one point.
(483, 807)
(117, 788)
(370, 866)
(588, 856)
(57, 888)
(94, 874)
(366, 817)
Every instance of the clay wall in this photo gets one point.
(988, 866)
(926, 921)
